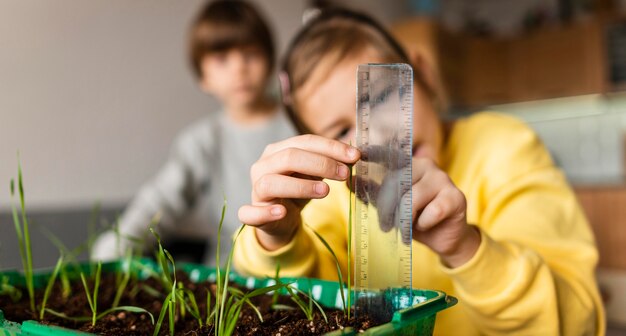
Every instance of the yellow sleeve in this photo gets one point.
(305, 255)
(533, 273)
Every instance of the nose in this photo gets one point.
(240, 63)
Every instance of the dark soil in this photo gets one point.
(275, 322)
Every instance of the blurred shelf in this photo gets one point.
(555, 61)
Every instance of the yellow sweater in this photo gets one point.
(533, 273)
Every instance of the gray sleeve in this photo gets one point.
(171, 194)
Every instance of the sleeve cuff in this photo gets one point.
(492, 271)
(295, 259)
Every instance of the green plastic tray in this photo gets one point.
(416, 320)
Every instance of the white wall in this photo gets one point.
(93, 92)
(585, 134)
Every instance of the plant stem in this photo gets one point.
(46, 294)
(349, 284)
(23, 236)
(96, 287)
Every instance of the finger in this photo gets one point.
(449, 203)
(388, 200)
(292, 161)
(273, 186)
(314, 143)
(260, 215)
(426, 189)
(420, 167)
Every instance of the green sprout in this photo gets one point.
(51, 280)
(66, 288)
(92, 298)
(168, 280)
(276, 280)
(179, 297)
(349, 266)
(7, 289)
(167, 308)
(121, 284)
(163, 258)
(234, 305)
(189, 301)
(209, 312)
(131, 309)
(307, 308)
(23, 237)
(227, 307)
(337, 264)
(69, 257)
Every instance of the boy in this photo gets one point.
(231, 52)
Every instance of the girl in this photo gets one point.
(495, 223)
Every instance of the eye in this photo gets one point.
(343, 133)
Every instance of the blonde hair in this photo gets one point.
(330, 38)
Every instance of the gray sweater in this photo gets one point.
(209, 162)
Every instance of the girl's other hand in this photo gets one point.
(288, 175)
(439, 215)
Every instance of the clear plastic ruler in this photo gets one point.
(382, 210)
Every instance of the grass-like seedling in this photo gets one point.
(209, 312)
(70, 257)
(131, 309)
(229, 301)
(125, 277)
(276, 280)
(23, 236)
(167, 277)
(346, 308)
(51, 281)
(189, 303)
(308, 308)
(179, 298)
(92, 300)
(167, 308)
(7, 289)
(223, 318)
(92, 297)
(347, 302)
(349, 283)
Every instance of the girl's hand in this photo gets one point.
(439, 215)
(286, 177)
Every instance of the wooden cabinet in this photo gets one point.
(557, 62)
(487, 71)
(605, 208)
(554, 62)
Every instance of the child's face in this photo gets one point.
(236, 77)
(327, 107)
